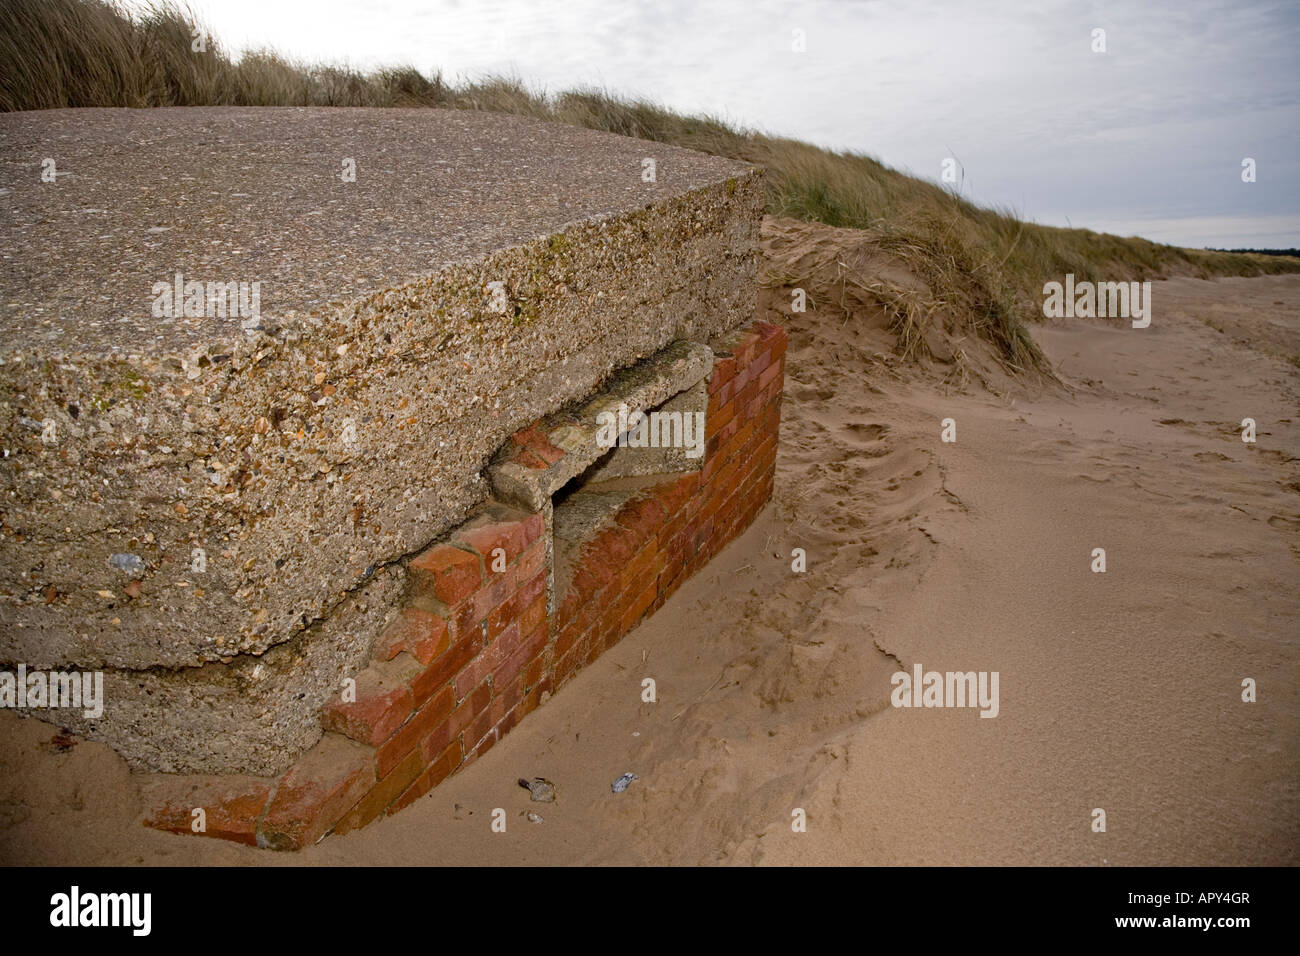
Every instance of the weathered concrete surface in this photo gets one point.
(347, 425)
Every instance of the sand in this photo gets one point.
(1119, 691)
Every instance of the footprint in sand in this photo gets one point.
(1285, 522)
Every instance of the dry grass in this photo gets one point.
(61, 53)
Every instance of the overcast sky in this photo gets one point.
(1146, 138)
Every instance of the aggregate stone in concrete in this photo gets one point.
(180, 490)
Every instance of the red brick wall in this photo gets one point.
(472, 652)
(665, 535)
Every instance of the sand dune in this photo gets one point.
(1119, 691)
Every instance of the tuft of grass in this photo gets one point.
(986, 262)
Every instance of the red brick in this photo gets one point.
(489, 660)
(449, 574)
(475, 673)
(232, 804)
(681, 547)
(534, 616)
(479, 732)
(409, 735)
(668, 585)
(608, 627)
(721, 397)
(720, 440)
(536, 441)
(450, 729)
(612, 547)
(746, 394)
(469, 623)
(477, 609)
(723, 370)
(439, 769)
(579, 623)
(591, 577)
(537, 669)
(434, 643)
(383, 703)
(510, 530)
(322, 785)
(568, 609)
(571, 663)
(486, 724)
(745, 350)
(741, 440)
(723, 482)
(532, 700)
(483, 746)
(532, 560)
(716, 401)
(641, 516)
(522, 656)
(422, 633)
(393, 638)
(673, 495)
(507, 723)
(760, 461)
(532, 589)
(703, 532)
(534, 528)
(505, 614)
(774, 338)
(713, 463)
(672, 566)
(506, 699)
(647, 558)
(608, 640)
(443, 669)
(742, 383)
(382, 794)
(572, 633)
(669, 532)
(719, 418)
(638, 607)
(529, 460)
(770, 375)
(684, 540)
(713, 504)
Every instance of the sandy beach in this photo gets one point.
(1119, 691)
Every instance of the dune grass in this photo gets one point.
(78, 53)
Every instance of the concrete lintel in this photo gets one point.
(650, 383)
